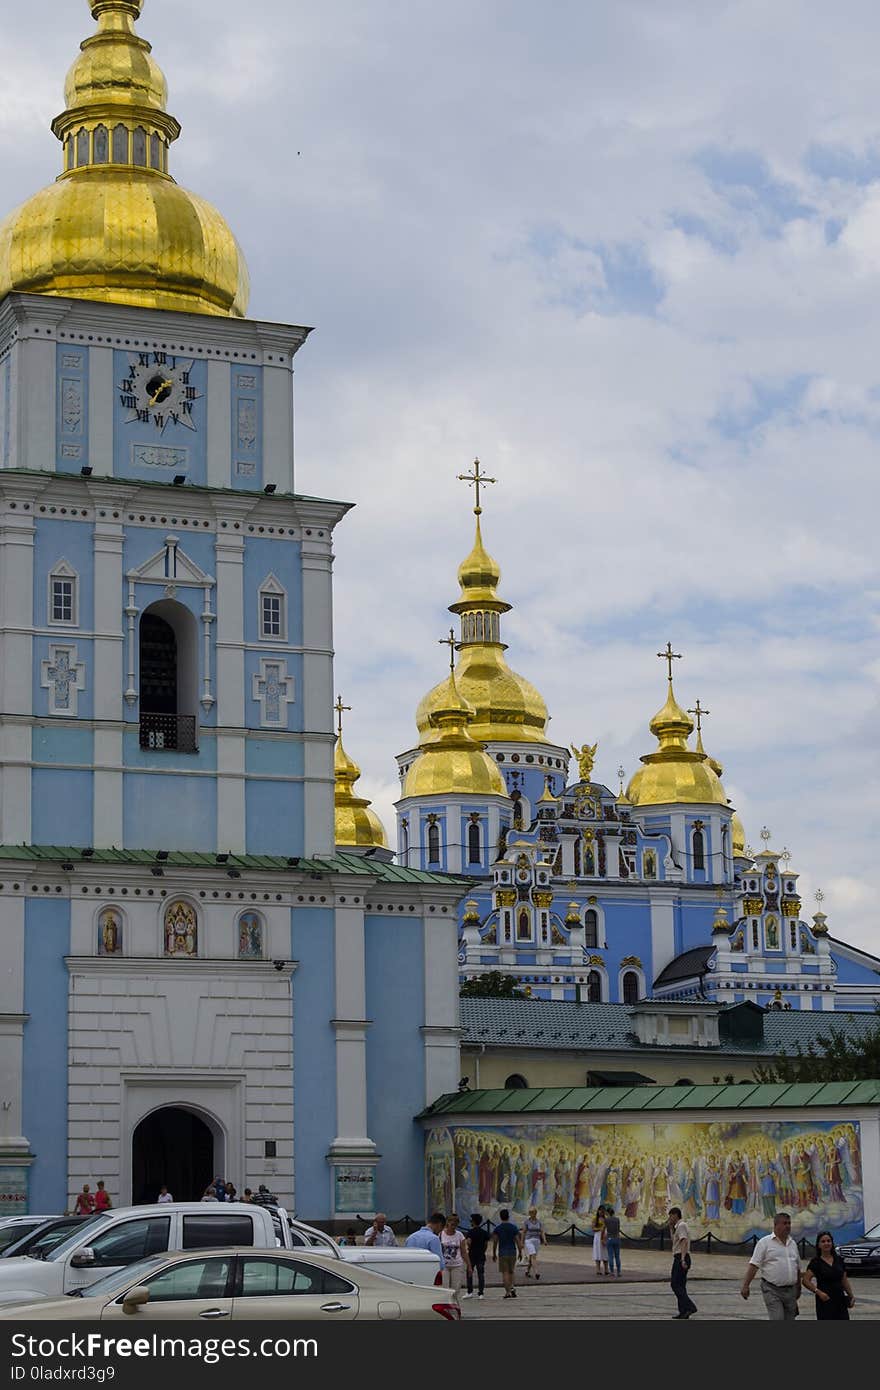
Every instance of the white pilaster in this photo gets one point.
(278, 426)
(231, 836)
(442, 1030)
(102, 395)
(317, 692)
(219, 426)
(230, 629)
(662, 932)
(351, 1033)
(12, 1021)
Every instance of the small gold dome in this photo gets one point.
(737, 835)
(356, 825)
(115, 227)
(451, 761)
(507, 707)
(675, 773)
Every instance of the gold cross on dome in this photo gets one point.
(451, 643)
(669, 656)
(476, 481)
(699, 713)
(340, 708)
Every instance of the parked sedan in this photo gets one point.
(241, 1282)
(862, 1255)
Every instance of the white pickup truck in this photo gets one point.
(118, 1238)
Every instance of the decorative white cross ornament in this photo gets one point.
(273, 688)
(63, 676)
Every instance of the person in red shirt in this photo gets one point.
(102, 1198)
(85, 1202)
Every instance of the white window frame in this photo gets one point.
(271, 588)
(66, 573)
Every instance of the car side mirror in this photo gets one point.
(135, 1298)
(83, 1258)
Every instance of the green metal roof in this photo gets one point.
(604, 1098)
(321, 867)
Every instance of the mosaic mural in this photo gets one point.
(728, 1177)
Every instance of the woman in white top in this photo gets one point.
(210, 1194)
(164, 1194)
(534, 1238)
(456, 1259)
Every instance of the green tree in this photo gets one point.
(832, 1057)
(494, 984)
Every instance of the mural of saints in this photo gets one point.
(250, 937)
(727, 1176)
(181, 929)
(109, 933)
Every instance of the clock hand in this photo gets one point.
(164, 386)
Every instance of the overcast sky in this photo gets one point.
(628, 252)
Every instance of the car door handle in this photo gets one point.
(215, 1313)
(335, 1307)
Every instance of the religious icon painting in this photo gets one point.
(109, 932)
(181, 929)
(250, 936)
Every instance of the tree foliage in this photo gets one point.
(832, 1057)
(494, 984)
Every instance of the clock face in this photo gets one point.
(158, 391)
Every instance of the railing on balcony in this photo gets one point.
(175, 732)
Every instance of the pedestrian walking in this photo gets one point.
(478, 1242)
(777, 1260)
(85, 1202)
(102, 1197)
(427, 1237)
(380, 1233)
(456, 1260)
(164, 1195)
(600, 1249)
(612, 1240)
(507, 1244)
(534, 1237)
(681, 1263)
(826, 1277)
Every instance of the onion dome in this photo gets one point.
(356, 825)
(115, 226)
(674, 773)
(820, 924)
(451, 761)
(720, 924)
(507, 708)
(737, 836)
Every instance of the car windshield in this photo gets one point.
(11, 1235)
(122, 1279)
(87, 1228)
(874, 1233)
(40, 1247)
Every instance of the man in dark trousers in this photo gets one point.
(681, 1263)
(507, 1245)
(478, 1240)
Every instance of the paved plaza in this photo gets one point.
(570, 1288)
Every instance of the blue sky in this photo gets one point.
(628, 252)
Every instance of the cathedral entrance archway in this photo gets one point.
(174, 1147)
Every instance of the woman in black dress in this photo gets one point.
(826, 1277)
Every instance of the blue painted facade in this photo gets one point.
(44, 1110)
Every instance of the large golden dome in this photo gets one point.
(357, 826)
(674, 773)
(507, 707)
(451, 762)
(115, 226)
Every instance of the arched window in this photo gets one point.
(155, 156)
(250, 936)
(120, 144)
(699, 850)
(516, 798)
(594, 987)
(591, 927)
(433, 844)
(630, 987)
(523, 925)
(139, 147)
(169, 677)
(68, 148)
(82, 148)
(181, 929)
(475, 855)
(516, 1083)
(100, 144)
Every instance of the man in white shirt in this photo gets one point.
(681, 1264)
(777, 1259)
(379, 1233)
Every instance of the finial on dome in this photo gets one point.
(340, 709)
(476, 480)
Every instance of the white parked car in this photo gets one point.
(12, 1228)
(231, 1283)
(118, 1238)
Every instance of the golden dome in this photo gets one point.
(737, 835)
(451, 761)
(507, 707)
(115, 227)
(674, 773)
(356, 824)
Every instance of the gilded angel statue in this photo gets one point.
(586, 756)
